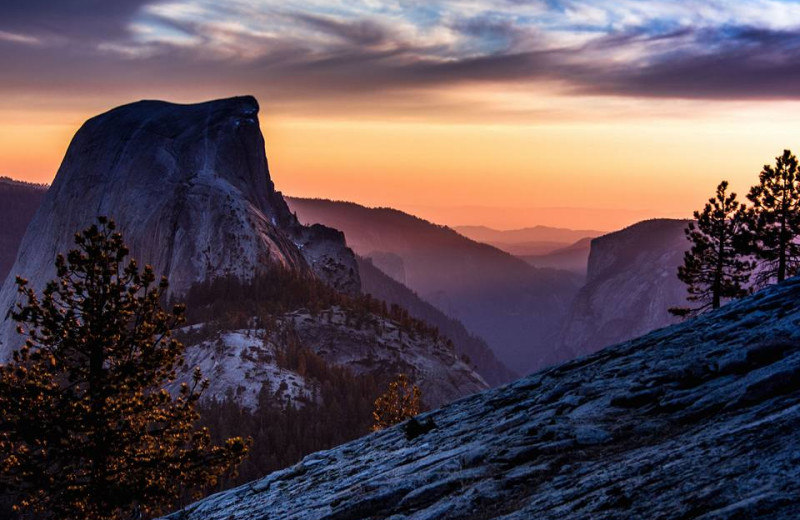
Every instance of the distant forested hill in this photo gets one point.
(18, 202)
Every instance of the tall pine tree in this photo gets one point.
(715, 269)
(775, 219)
(87, 429)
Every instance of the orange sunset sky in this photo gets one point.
(508, 114)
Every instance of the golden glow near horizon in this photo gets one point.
(502, 174)
(509, 114)
(611, 170)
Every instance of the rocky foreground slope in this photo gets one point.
(698, 420)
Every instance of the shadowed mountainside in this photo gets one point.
(382, 286)
(515, 307)
(18, 202)
(573, 258)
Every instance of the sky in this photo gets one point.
(507, 113)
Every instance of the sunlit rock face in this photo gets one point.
(189, 187)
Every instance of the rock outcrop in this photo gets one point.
(631, 283)
(697, 420)
(189, 187)
(244, 361)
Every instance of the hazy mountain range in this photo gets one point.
(642, 258)
(516, 308)
(536, 240)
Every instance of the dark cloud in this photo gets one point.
(365, 59)
(726, 63)
(80, 19)
(356, 32)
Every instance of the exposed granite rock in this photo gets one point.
(697, 420)
(631, 283)
(242, 361)
(190, 189)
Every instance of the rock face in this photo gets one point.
(515, 307)
(631, 283)
(18, 202)
(190, 189)
(242, 361)
(697, 420)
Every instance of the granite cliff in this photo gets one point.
(189, 187)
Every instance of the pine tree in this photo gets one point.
(715, 268)
(400, 402)
(775, 219)
(87, 429)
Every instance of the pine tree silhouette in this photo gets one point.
(715, 268)
(774, 219)
(87, 429)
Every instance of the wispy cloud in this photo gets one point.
(708, 49)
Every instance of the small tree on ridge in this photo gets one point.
(400, 402)
(715, 269)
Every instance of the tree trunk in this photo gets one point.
(782, 242)
(717, 290)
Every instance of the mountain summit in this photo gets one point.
(190, 189)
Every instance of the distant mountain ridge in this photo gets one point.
(529, 241)
(515, 307)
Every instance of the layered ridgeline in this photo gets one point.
(190, 189)
(530, 241)
(515, 307)
(632, 282)
(697, 420)
(474, 349)
(18, 202)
